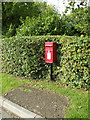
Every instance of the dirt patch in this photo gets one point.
(42, 102)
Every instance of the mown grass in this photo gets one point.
(78, 99)
(9, 82)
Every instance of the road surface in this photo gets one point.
(5, 114)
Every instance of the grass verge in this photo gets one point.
(78, 99)
(9, 82)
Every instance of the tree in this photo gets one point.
(13, 11)
(38, 18)
(47, 23)
(76, 23)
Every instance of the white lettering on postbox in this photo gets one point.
(49, 55)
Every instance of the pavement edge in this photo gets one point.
(16, 109)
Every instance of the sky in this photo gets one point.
(58, 4)
(61, 4)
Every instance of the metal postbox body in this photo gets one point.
(50, 52)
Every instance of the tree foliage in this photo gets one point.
(46, 23)
(76, 23)
(38, 18)
(13, 11)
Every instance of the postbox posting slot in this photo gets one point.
(49, 50)
(48, 45)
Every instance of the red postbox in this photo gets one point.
(50, 52)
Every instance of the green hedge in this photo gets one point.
(25, 57)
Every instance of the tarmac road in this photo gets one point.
(5, 114)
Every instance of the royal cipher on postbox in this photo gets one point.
(50, 52)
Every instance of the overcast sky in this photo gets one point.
(61, 4)
(58, 4)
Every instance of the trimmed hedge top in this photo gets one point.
(25, 56)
